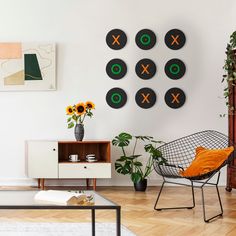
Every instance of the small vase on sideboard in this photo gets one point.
(79, 132)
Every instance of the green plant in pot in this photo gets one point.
(230, 73)
(130, 164)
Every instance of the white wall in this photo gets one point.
(79, 29)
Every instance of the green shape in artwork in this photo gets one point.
(32, 70)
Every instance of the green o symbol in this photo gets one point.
(145, 39)
(174, 69)
(116, 98)
(114, 69)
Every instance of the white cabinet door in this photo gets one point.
(42, 159)
(85, 170)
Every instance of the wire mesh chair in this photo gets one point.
(179, 155)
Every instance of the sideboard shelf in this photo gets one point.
(50, 160)
(100, 149)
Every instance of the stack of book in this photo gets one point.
(63, 197)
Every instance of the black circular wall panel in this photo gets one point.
(175, 69)
(145, 39)
(145, 69)
(175, 98)
(116, 39)
(116, 69)
(116, 98)
(145, 98)
(175, 39)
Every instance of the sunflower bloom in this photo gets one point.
(80, 108)
(69, 110)
(90, 105)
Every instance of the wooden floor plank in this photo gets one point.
(139, 216)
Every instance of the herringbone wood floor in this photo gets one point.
(138, 214)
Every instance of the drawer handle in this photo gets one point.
(85, 167)
(54, 149)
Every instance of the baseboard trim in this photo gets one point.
(76, 182)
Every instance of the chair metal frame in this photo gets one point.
(169, 170)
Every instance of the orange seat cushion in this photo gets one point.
(206, 160)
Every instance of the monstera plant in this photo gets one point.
(130, 163)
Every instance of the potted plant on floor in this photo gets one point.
(230, 73)
(130, 164)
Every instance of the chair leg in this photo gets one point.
(159, 194)
(203, 203)
(169, 208)
(193, 196)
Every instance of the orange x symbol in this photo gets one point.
(145, 69)
(175, 98)
(175, 39)
(145, 98)
(116, 39)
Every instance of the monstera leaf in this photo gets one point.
(123, 168)
(136, 177)
(122, 140)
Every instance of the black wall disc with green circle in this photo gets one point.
(116, 69)
(116, 39)
(175, 69)
(175, 98)
(145, 39)
(145, 98)
(145, 69)
(116, 98)
(175, 39)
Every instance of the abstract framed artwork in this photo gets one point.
(27, 66)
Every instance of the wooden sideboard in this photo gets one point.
(50, 160)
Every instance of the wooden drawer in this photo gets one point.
(84, 170)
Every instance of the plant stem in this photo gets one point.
(148, 166)
(136, 140)
(123, 150)
(83, 118)
(132, 165)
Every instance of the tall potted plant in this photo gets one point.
(230, 94)
(130, 164)
(230, 73)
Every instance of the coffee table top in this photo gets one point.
(15, 199)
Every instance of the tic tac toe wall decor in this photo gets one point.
(145, 69)
(27, 66)
(175, 98)
(175, 69)
(145, 98)
(116, 98)
(175, 39)
(116, 39)
(116, 69)
(145, 39)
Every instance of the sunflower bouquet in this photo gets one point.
(78, 112)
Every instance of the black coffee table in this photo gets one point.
(11, 199)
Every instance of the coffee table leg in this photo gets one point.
(93, 222)
(118, 226)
